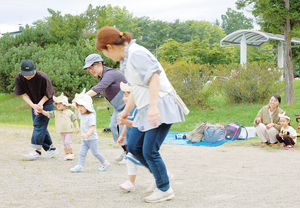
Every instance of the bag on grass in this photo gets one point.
(197, 135)
(214, 133)
(233, 131)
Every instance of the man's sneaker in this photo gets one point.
(69, 156)
(120, 157)
(104, 166)
(123, 162)
(127, 186)
(152, 186)
(159, 196)
(33, 156)
(77, 169)
(51, 153)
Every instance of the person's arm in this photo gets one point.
(73, 105)
(122, 136)
(91, 93)
(45, 113)
(40, 109)
(153, 113)
(27, 99)
(128, 123)
(89, 133)
(41, 103)
(128, 107)
(107, 79)
(257, 119)
(76, 125)
(43, 100)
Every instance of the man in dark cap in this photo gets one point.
(35, 88)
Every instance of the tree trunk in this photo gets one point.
(288, 65)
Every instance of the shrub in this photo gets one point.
(10, 64)
(250, 84)
(63, 64)
(189, 81)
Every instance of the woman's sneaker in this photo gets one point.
(104, 166)
(34, 155)
(127, 186)
(152, 186)
(77, 169)
(159, 196)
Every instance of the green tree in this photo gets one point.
(196, 51)
(66, 29)
(181, 31)
(171, 51)
(233, 20)
(273, 15)
(206, 30)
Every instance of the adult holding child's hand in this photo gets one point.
(109, 83)
(267, 121)
(36, 90)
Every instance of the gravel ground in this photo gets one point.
(224, 176)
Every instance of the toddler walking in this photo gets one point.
(64, 120)
(287, 134)
(87, 115)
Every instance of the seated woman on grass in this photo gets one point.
(267, 121)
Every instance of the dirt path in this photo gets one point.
(223, 176)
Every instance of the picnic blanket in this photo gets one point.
(170, 139)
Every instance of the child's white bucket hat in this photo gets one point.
(86, 101)
(61, 99)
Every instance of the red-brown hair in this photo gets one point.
(111, 36)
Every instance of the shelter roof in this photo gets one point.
(253, 38)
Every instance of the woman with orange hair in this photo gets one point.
(153, 95)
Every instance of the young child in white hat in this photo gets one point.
(65, 119)
(84, 109)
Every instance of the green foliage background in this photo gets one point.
(190, 51)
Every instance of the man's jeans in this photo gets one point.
(40, 136)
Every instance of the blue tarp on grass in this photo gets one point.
(170, 139)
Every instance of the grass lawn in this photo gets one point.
(13, 110)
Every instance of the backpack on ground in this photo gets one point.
(214, 133)
(197, 135)
(233, 131)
